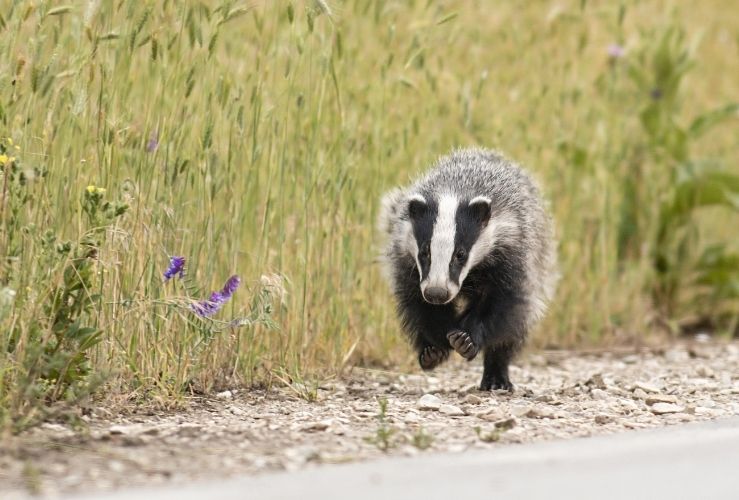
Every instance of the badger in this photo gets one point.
(471, 260)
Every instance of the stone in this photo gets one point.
(596, 380)
(225, 395)
(599, 394)
(660, 398)
(711, 412)
(469, 388)
(319, 426)
(119, 430)
(706, 403)
(631, 359)
(638, 393)
(538, 412)
(603, 419)
(411, 418)
(628, 405)
(429, 402)
(546, 398)
(472, 399)
(646, 387)
(235, 410)
(451, 410)
(506, 423)
(491, 415)
(666, 408)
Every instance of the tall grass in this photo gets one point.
(256, 137)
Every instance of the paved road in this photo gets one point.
(696, 461)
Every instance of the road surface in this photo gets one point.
(689, 461)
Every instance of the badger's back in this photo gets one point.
(523, 230)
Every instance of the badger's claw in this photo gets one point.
(463, 344)
(431, 357)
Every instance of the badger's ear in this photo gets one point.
(417, 206)
(480, 209)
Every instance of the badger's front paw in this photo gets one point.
(431, 357)
(463, 344)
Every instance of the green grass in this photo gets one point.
(279, 125)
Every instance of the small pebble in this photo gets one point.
(429, 402)
(666, 408)
(451, 410)
(660, 398)
(472, 399)
(646, 387)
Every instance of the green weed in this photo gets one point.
(383, 437)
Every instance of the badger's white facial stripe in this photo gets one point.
(480, 199)
(417, 197)
(442, 241)
(412, 246)
(500, 228)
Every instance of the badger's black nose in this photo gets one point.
(436, 294)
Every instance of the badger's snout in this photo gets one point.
(436, 294)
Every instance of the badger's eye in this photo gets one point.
(425, 251)
(461, 255)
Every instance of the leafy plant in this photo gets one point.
(422, 439)
(689, 185)
(383, 437)
(487, 436)
(51, 350)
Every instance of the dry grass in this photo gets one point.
(278, 125)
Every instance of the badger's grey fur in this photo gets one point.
(471, 259)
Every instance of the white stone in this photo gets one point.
(451, 410)
(665, 408)
(599, 394)
(646, 387)
(429, 402)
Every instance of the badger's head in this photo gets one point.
(448, 236)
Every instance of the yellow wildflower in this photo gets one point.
(91, 188)
(100, 190)
(3, 160)
(10, 141)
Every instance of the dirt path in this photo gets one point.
(559, 395)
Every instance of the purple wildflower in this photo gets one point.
(153, 142)
(230, 287)
(615, 51)
(176, 266)
(209, 307)
(656, 93)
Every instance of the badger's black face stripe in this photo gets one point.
(422, 221)
(470, 222)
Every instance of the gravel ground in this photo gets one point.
(559, 395)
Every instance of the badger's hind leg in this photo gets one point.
(495, 372)
(431, 356)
